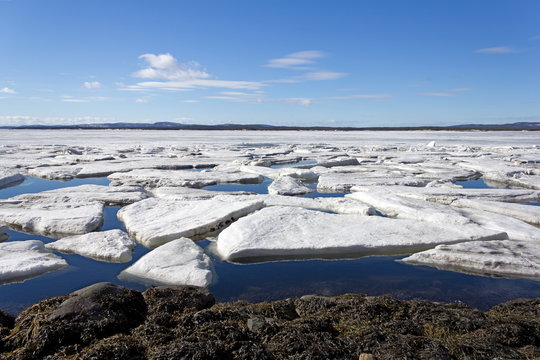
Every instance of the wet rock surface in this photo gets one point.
(106, 321)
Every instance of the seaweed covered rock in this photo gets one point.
(80, 318)
(105, 321)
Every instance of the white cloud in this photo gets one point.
(169, 74)
(7, 90)
(92, 84)
(72, 99)
(190, 101)
(496, 50)
(359, 96)
(194, 84)
(451, 92)
(296, 60)
(323, 75)
(142, 101)
(166, 67)
(18, 120)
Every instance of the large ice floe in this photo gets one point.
(54, 219)
(502, 258)
(111, 246)
(21, 260)
(109, 195)
(286, 232)
(179, 262)
(153, 222)
(158, 178)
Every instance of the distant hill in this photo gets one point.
(518, 126)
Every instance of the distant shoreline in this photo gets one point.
(174, 126)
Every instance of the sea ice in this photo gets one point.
(446, 195)
(51, 219)
(501, 258)
(333, 204)
(186, 193)
(287, 232)
(9, 179)
(179, 262)
(158, 178)
(516, 229)
(109, 195)
(153, 222)
(111, 246)
(286, 185)
(527, 213)
(343, 182)
(21, 260)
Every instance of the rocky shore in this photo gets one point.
(106, 321)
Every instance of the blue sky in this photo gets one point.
(325, 63)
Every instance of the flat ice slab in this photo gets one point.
(51, 219)
(396, 206)
(157, 178)
(333, 204)
(110, 195)
(179, 262)
(21, 260)
(343, 182)
(287, 232)
(186, 193)
(501, 258)
(527, 213)
(111, 246)
(446, 195)
(153, 222)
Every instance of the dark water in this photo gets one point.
(374, 275)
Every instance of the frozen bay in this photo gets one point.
(229, 160)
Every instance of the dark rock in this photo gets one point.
(256, 323)
(92, 313)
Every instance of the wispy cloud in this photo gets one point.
(296, 61)
(6, 90)
(258, 98)
(168, 74)
(190, 101)
(142, 101)
(92, 84)
(16, 120)
(496, 50)
(323, 75)
(73, 99)
(451, 92)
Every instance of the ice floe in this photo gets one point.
(21, 260)
(343, 182)
(186, 193)
(179, 262)
(51, 219)
(158, 178)
(153, 222)
(527, 213)
(446, 195)
(286, 232)
(109, 195)
(502, 258)
(111, 246)
(287, 185)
